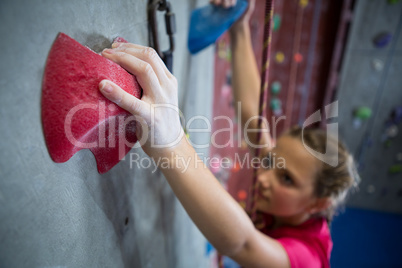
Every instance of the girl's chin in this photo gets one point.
(264, 208)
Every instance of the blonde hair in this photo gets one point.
(332, 182)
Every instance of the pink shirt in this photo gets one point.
(307, 245)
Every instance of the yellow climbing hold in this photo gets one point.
(279, 57)
(303, 3)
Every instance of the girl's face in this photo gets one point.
(286, 190)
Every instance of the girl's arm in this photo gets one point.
(246, 80)
(213, 210)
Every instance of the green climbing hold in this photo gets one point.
(393, 1)
(363, 112)
(388, 143)
(394, 169)
(276, 88)
(277, 22)
(275, 104)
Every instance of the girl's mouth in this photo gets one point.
(261, 195)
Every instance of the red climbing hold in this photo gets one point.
(75, 115)
(298, 57)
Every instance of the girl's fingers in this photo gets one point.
(123, 99)
(226, 3)
(143, 71)
(147, 54)
(216, 2)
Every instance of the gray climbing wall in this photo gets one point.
(380, 89)
(68, 215)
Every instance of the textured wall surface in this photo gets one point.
(67, 214)
(379, 89)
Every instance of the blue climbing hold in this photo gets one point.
(208, 23)
(382, 40)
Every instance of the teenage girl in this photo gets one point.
(294, 202)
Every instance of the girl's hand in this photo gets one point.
(244, 20)
(157, 112)
(224, 3)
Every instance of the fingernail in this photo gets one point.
(108, 51)
(117, 44)
(106, 87)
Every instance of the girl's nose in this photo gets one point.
(264, 179)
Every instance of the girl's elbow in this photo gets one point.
(231, 248)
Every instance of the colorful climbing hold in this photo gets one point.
(387, 143)
(362, 113)
(392, 131)
(242, 195)
(377, 64)
(276, 88)
(279, 57)
(236, 167)
(242, 204)
(298, 57)
(208, 249)
(275, 104)
(215, 164)
(394, 169)
(382, 40)
(357, 123)
(371, 189)
(229, 78)
(303, 3)
(229, 55)
(226, 91)
(276, 22)
(223, 50)
(396, 115)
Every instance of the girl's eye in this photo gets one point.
(287, 179)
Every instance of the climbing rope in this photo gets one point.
(262, 102)
(294, 67)
(263, 96)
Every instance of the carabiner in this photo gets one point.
(170, 22)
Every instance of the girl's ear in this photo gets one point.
(320, 204)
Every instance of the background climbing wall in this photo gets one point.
(304, 37)
(369, 90)
(68, 215)
(323, 51)
(371, 81)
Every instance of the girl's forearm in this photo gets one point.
(245, 75)
(246, 85)
(218, 216)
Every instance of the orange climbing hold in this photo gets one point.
(236, 167)
(242, 195)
